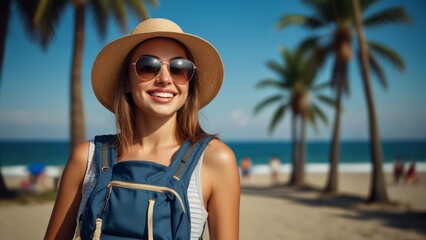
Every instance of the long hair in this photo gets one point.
(187, 125)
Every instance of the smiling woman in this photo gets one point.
(161, 166)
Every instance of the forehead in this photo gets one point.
(162, 48)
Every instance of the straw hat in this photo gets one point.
(107, 66)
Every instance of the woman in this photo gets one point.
(140, 79)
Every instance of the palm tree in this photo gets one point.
(296, 79)
(26, 11)
(338, 16)
(376, 194)
(46, 20)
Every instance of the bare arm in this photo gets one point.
(223, 186)
(63, 220)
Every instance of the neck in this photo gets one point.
(155, 131)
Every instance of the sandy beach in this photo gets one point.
(280, 212)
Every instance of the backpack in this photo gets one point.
(140, 199)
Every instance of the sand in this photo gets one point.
(285, 213)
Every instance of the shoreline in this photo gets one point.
(257, 169)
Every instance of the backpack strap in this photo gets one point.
(105, 156)
(105, 152)
(189, 160)
(183, 161)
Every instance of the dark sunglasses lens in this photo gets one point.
(147, 67)
(181, 70)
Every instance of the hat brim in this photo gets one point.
(107, 65)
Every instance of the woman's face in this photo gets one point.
(159, 97)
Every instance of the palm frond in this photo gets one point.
(279, 114)
(26, 12)
(120, 14)
(267, 102)
(6, 16)
(99, 8)
(310, 43)
(275, 67)
(309, 22)
(139, 7)
(311, 117)
(324, 10)
(314, 61)
(269, 83)
(390, 15)
(365, 4)
(342, 11)
(41, 10)
(318, 112)
(153, 3)
(321, 86)
(286, 55)
(387, 54)
(46, 18)
(318, 57)
(326, 100)
(377, 70)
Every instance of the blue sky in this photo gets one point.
(34, 95)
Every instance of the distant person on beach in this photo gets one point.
(36, 176)
(411, 175)
(155, 80)
(274, 166)
(246, 168)
(398, 169)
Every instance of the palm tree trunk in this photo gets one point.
(295, 148)
(4, 191)
(4, 21)
(300, 180)
(333, 180)
(77, 115)
(378, 191)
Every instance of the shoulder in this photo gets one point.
(78, 158)
(219, 157)
(75, 170)
(80, 152)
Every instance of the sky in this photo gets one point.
(34, 91)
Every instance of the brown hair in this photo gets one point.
(187, 126)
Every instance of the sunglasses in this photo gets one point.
(181, 70)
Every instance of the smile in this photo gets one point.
(161, 94)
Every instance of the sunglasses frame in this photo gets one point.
(168, 67)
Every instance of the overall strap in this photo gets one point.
(189, 160)
(105, 157)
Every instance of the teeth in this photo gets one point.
(162, 94)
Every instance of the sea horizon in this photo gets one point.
(15, 155)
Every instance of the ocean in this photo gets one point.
(354, 155)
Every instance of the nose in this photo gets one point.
(164, 75)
